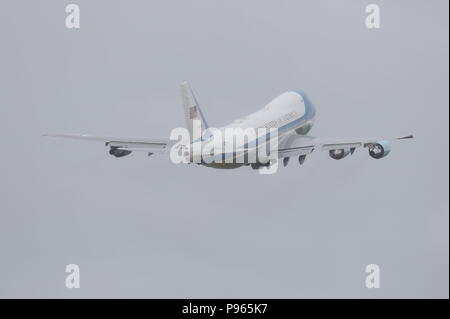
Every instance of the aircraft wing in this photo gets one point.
(296, 145)
(124, 145)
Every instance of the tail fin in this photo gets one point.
(191, 108)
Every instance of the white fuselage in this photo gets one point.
(290, 113)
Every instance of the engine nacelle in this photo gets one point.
(115, 151)
(339, 153)
(380, 149)
(259, 165)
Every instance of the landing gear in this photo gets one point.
(301, 159)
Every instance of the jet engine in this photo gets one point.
(115, 151)
(258, 165)
(339, 153)
(380, 149)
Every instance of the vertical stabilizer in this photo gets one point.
(191, 108)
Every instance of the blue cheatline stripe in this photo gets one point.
(203, 119)
(260, 139)
(201, 114)
(199, 110)
(309, 114)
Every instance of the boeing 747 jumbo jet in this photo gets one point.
(291, 115)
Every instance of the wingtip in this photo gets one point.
(49, 135)
(406, 137)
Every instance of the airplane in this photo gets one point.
(291, 113)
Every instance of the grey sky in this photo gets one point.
(146, 228)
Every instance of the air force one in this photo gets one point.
(292, 114)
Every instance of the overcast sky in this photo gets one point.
(146, 228)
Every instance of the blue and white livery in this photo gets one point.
(291, 113)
